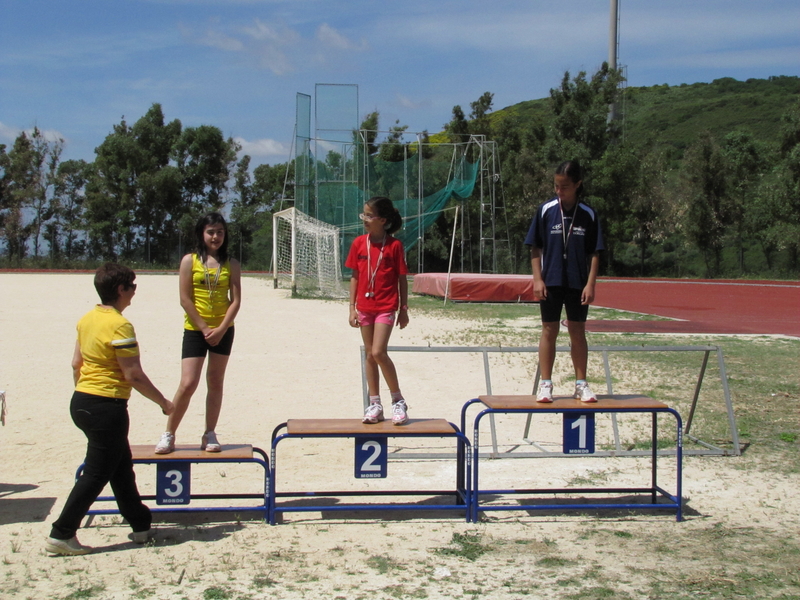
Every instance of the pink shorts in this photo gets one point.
(365, 319)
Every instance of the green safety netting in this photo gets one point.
(420, 187)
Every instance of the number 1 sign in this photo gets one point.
(578, 433)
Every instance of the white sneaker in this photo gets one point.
(142, 537)
(373, 414)
(545, 393)
(399, 414)
(70, 547)
(209, 442)
(166, 444)
(584, 393)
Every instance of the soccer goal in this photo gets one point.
(306, 253)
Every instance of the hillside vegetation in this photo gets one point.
(673, 115)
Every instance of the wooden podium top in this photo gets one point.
(604, 402)
(356, 427)
(193, 452)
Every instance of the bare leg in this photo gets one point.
(380, 341)
(215, 379)
(373, 381)
(547, 348)
(191, 369)
(579, 348)
(376, 339)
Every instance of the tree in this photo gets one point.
(706, 199)
(580, 129)
(479, 116)
(393, 149)
(134, 197)
(22, 174)
(458, 127)
(70, 193)
(206, 161)
(746, 161)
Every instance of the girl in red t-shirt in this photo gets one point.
(378, 288)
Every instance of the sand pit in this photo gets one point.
(299, 359)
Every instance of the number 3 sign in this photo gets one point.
(173, 482)
(371, 457)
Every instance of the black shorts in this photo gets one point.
(559, 297)
(196, 346)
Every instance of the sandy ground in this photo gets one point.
(299, 359)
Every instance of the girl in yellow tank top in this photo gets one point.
(210, 294)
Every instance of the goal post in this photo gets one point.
(306, 254)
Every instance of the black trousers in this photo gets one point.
(108, 460)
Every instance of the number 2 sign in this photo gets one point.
(371, 457)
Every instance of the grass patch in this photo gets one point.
(465, 545)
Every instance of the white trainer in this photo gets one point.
(209, 442)
(373, 414)
(70, 547)
(166, 444)
(142, 537)
(545, 393)
(399, 413)
(584, 393)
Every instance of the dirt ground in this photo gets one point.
(299, 359)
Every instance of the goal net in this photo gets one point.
(306, 253)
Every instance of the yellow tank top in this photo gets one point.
(211, 289)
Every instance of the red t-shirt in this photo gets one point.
(389, 270)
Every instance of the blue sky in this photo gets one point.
(75, 68)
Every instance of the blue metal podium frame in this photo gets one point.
(230, 453)
(606, 404)
(353, 428)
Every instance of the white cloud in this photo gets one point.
(263, 147)
(12, 133)
(276, 46)
(774, 58)
(8, 133)
(406, 102)
(331, 38)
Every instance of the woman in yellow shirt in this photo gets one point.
(105, 368)
(210, 293)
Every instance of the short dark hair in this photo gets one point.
(212, 218)
(573, 170)
(109, 277)
(385, 209)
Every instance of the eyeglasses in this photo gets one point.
(131, 286)
(365, 217)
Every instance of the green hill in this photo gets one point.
(674, 115)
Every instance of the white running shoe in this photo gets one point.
(584, 393)
(142, 537)
(399, 414)
(166, 444)
(209, 442)
(70, 547)
(373, 414)
(545, 393)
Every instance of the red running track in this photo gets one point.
(703, 306)
(699, 306)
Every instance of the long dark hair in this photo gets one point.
(385, 210)
(573, 170)
(212, 218)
